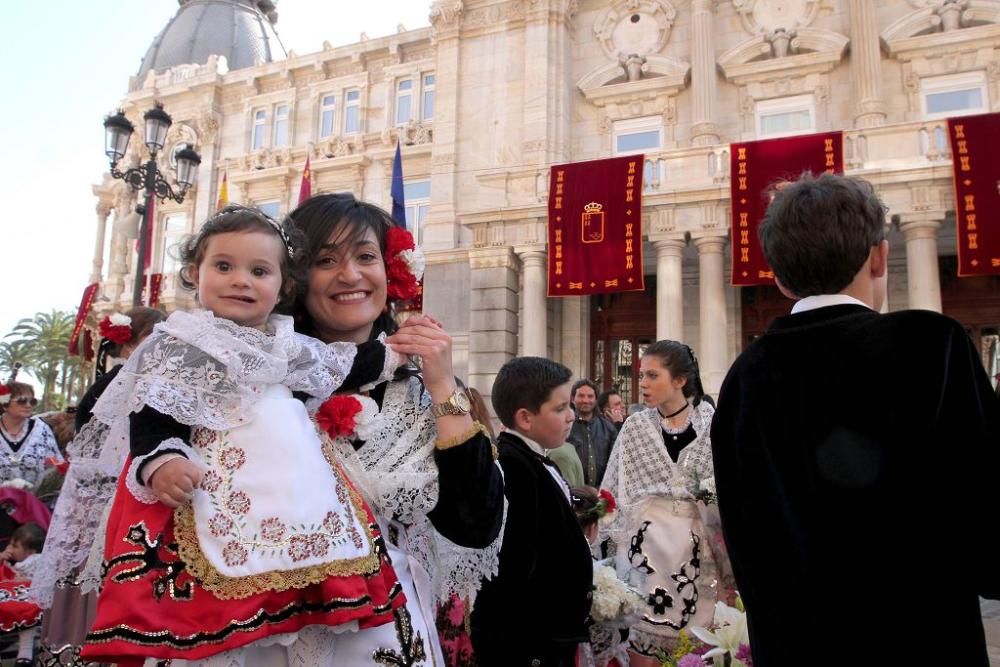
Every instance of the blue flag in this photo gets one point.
(398, 204)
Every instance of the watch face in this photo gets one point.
(461, 399)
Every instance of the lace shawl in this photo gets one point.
(640, 468)
(207, 371)
(396, 471)
(86, 491)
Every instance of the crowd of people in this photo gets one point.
(293, 475)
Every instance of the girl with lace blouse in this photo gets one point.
(425, 465)
(233, 527)
(660, 466)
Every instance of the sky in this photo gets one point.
(64, 65)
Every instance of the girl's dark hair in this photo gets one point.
(31, 536)
(316, 221)
(143, 321)
(236, 218)
(584, 499)
(679, 359)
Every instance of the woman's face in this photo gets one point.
(347, 287)
(21, 406)
(656, 384)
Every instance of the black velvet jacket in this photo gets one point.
(856, 457)
(537, 606)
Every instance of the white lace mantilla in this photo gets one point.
(85, 493)
(397, 474)
(207, 371)
(640, 468)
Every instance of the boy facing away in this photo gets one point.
(534, 612)
(855, 453)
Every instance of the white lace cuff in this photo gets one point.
(139, 490)
(393, 360)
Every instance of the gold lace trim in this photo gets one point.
(236, 588)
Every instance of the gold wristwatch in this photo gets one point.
(457, 404)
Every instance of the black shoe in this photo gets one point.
(24, 662)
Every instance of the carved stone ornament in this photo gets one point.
(334, 146)
(446, 14)
(768, 16)
(410, 134)
(634, 28)
(266, 158)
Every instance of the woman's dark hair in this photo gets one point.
(316, 221)
(143, 321)
(236, 218)
(679, 359)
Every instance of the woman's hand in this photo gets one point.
(175, 481)
(425, 337)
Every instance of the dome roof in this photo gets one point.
(240, 30)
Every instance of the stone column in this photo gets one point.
(547, 110)
(493, 314)
(669, 289)
(536, 322)
(711, 349)
(866, 65)
(704, 131)
(440, 229)
(103, 210)
(922, 277)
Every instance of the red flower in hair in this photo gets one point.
(116, 328)
(338, 415)
(608, 498)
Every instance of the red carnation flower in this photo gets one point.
(398, 240)
(61, 466)
(116, 333)
(4, 390)
(608, 498)
(338, 415)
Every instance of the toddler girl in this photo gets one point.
(231, 523)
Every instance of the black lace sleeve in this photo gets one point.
(469, 511)
(84, 410)
(147, 429)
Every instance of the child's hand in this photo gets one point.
(175, 481)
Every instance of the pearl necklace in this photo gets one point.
(17, 450)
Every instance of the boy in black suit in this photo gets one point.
(855, 453)
(534, 612)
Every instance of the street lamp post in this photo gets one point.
(148, 177)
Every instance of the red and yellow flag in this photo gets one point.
(223, 193)
(305, 190)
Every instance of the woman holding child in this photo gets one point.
(425, 466)
(661, 474)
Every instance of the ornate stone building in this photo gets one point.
(495, 91)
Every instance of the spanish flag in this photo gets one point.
(305, 190)
(223, 193)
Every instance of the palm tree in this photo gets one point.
(46, 337)
(12, 355)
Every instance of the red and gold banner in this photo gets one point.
(975, 145)
(755, 166)
(154, 284)
(595, 227)
(86, 301)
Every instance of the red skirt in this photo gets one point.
(150, 605)
(17, 611)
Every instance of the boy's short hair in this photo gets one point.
(31, 536)
(819, 231)
(526, 382)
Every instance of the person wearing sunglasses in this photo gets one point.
(26, 442)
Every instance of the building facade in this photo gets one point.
(494, 92)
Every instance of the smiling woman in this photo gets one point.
(428, 468)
